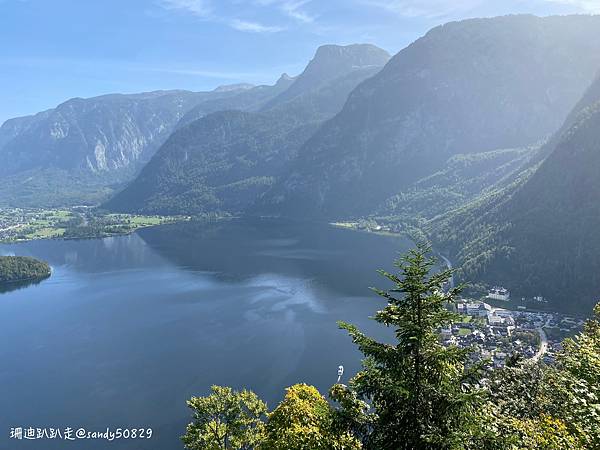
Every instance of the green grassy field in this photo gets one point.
(18, 225)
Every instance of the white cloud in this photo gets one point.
(201, 8)
(294, 10)
(291, 8)
(253, 27)
(590, 6)
(204, 10)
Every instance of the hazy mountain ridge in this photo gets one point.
(84, 128)
(225, 161)
(102, 140)
(252, 99)
(440, 139)
(540, 236)
(470, 86)
(329, 62)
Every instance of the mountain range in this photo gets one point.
(465, 87)
(225, 161)
(84, 149)
(454, 140)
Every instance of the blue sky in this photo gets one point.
(52, 50)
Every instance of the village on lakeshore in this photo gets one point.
(27, 224)
(496, 334)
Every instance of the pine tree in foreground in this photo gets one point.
(423, 394)
(414, 393)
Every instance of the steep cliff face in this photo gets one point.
(331, 62)
(223, 162)
(470, 86)
(102, 134)
(94, 143)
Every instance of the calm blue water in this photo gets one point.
(128, 328)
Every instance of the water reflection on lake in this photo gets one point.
(128, 328)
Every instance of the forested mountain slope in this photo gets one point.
(251, 99)
(539, 236)
(463, 179)
(225, 161)
(465, 87)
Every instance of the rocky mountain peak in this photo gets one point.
(331, 62)
(284, 79)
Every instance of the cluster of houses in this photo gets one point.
(10, 220)
(494, 334)
(499, 321)
(15, 221)
(7, 219)
(536, 299)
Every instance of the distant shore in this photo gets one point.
(28, 224)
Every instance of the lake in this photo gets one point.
(128, 328)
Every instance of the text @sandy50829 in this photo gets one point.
(74, 434)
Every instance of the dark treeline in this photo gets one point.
(15, 269)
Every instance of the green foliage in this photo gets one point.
(226, 419)
(305, 421)
(20, 268)
(96, 223)
(462, 179)
(545, 433)
(225, 161)
(414, 393)
(57, 188)
(539, 234)
(418, 388)
(580, 364)
(461, 88)
(24, 224)
(581, 355)
(221, 162)
(540, 407)
(353, 414)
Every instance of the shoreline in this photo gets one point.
(353, 226)
(22, 270)
(83, 237)
(26, 280)
(72, 223)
